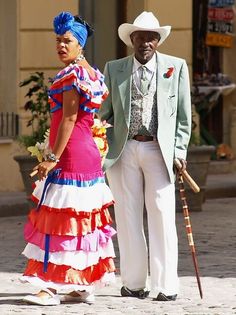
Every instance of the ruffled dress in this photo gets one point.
(68, 234)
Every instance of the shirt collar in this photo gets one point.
(151, 64)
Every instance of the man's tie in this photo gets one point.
(144, 82)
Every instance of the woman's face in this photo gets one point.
(68, 48)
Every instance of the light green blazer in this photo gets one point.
(173, 107)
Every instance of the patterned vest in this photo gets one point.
(143, 119)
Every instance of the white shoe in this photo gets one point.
(50, 299)
(79, 297)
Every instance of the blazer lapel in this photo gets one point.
(164, 80)
(124, 84)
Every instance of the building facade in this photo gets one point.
(28, 45)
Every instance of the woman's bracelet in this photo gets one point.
(51, 157)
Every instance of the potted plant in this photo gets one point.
(38, 107)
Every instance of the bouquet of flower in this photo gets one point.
(99, 136)
(40, 150)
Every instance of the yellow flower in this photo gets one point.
(40, 150)
(100, 138)
(35, 152)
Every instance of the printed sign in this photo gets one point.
(217, 39)
(219, 27)
(221, 14)
(220, 3)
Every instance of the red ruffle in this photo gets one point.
(54, 221)
(69, 275)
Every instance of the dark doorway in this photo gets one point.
(121, 17)
(105, 16)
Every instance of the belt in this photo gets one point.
(143, 138)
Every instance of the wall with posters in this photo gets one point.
(221, 33)
(220, 23)
(213, 49)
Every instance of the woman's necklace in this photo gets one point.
(79, 58)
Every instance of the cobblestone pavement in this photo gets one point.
(215, 240)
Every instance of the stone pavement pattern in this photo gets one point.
(215, 240)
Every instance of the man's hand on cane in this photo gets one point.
(182, 165)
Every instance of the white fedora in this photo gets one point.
(146, 21)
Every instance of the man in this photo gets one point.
(150, 111)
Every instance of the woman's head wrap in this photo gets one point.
(65, 21)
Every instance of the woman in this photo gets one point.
(68, 234)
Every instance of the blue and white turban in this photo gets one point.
(66, 22)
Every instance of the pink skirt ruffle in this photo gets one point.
(88, 242)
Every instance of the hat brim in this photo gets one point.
(126, 29)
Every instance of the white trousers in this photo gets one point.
(138, 177)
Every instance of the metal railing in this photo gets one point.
(9, 125)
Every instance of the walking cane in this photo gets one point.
(194, 186)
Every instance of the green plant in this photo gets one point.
(38, 105)
(203, 104)
(195, 138)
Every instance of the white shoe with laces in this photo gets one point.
(48, 299)
(79, 297)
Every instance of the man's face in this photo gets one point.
(145, 44)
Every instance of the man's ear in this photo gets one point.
(131, 38)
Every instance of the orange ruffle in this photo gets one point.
(66, 274)
(68, 222)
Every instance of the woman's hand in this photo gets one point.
(44, 168)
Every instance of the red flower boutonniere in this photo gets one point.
(169, 73)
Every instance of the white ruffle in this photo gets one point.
(107, 279)
(80, 198)
(76, 259)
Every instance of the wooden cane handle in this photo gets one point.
(32, 174)
(190, 181)
(193, 185)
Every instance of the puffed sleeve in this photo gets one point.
(92, 92)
